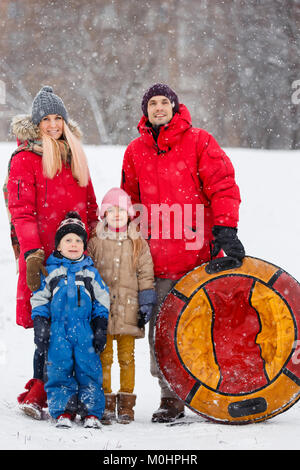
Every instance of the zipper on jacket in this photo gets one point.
(46, 191)
(78, 296)
(19, 189)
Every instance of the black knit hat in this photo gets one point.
(72, 223)
(46, 102)
(159, 89)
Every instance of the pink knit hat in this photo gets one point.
(116, 197)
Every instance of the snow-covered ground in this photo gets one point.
(269, 229)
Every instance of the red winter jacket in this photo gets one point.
(185, 167)
(37, 206)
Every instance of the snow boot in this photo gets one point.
(91, 421)
(64, 420)
(170, 409)
(125, 404)
(109, 415)
(33, 401)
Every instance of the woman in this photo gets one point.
(48, 176)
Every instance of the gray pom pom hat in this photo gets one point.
(46, 102)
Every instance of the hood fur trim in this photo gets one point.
(23, 128)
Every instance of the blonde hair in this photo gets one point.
(137, 248)
(52, 160)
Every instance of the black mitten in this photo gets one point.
(99, 327)
(226, 239)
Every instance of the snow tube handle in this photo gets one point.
(222, 264)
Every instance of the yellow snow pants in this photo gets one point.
(125, 344)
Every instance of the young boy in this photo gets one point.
(70, 313)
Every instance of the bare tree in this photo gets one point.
(231, 62)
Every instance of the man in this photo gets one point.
(180, 169)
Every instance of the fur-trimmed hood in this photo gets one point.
(23, 128)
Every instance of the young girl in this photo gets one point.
(123, 258)
(70, 311)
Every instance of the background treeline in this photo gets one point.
(232, 62)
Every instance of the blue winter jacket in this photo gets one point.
(72, 290)
(72, 295)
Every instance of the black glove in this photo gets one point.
(144, 314)
(99, 327)
(226, 239)
(41, 327)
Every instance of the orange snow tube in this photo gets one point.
(227, 341)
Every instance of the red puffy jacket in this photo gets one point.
(37, 206)
(185, 168)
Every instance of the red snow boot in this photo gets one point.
(33, 401)
(91, 421)
(65, 420)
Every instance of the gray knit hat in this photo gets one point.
(46, 102)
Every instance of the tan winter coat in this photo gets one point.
(112, 253)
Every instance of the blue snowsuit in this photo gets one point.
(71, 296)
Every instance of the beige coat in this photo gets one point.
(112, 253)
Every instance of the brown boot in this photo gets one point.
(170, 409)
(125, 404)
(109, 414)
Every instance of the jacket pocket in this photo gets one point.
(42, 192)
(131, 309)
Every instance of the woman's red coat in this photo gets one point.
(37, 205)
